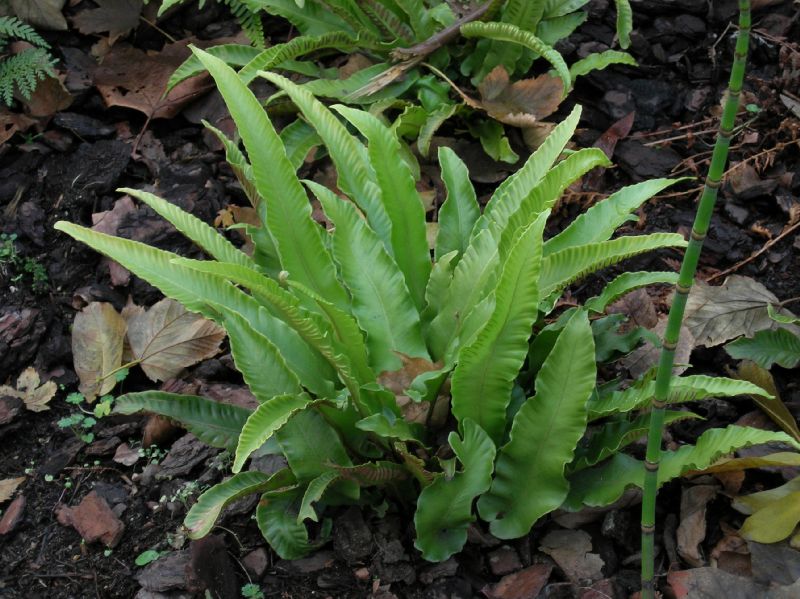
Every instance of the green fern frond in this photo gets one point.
(12, 27)
(249, 19)
(23, 71)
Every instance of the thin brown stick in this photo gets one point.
(755, 255)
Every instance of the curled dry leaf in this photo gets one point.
(523, 103)
(97, 338)
(774, 408)
(8, 486)
(644, 358)
(115, 17)
(34, 396)
(166, 339)
(42, 14)
(134, 79)
(692, 528)
(13, 122)
(738, 307)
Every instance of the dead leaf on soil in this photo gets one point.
(398, 381)
(523, 103)
(645, 357)
(108, 222)
(34, 396)
(43, 14)
(8, 486)
(692, 528)
(115, 17)
(49, 97)
(12, 123)
(125, 455)
(639, 306)
(134, 79)
(166, 339)
(97, 339)
(571, 550)
(774, 408)
(738, 307)
(702, 583)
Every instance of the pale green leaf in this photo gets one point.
(460, 210)
(203, 514)
(543, 436)
(314, 492)
(767, 348)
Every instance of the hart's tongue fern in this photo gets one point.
(687, 272)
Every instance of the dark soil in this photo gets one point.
(72, 170)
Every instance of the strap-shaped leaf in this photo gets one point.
(600, 221)
(233, 54)
(433, 121)
(261, 363)
(767, 347)
(548, 190)
(438, 286)
(682, 390)
(401, 201)
(202, 515)
(192, 227)
(390, 426)
(598, 61)
(625, 283)
(349, 338)
(607, 482)
(473, 279)
(276, 516)
(559, 8)
(460, 210)
(298, 138)
(297, 236)
(311, 327)
(624, 22)
(508, 197)
(486, 368)
(356, 177)
(264, 60)
(381, 301)
(269, 417)
(611, 437)
(370, 474)
(562, 268)
(543, 436)
(242, 169)
(311, 445)
(444, 508)
(311, 19)
(214, 423)
(314, 492)
(508, 32)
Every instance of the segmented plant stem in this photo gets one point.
(684, 285)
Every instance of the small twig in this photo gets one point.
(755, 255)
(157, 28)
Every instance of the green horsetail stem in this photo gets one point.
(688, 267)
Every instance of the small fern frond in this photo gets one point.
(249, 19)
(23, 71)
(12, 27)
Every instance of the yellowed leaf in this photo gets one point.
(97, 337)
(774, 408)
(34, 396)
(774, 460)
(774, 522)
(166, 339)
(8, 486)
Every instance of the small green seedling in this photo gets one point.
(252, 591)
(146, 557)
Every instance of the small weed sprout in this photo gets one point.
(252, 591)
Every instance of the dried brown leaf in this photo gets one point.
(692, 528)
(97, 338)
(115, 17)
(11, 123)
(774, 408)
(523, 103)
(44, 14)
(8, 486)
(738, 307)
(33, 395)
(645, 357)
(134, 79)
(166, 339)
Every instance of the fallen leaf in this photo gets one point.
(49, 97)
(134, 79)
(8, 486)
(523, 103)
(42, 14)
(645, 357)
(125, 455)
(692, 528)
(166, 339)
(774, 408)
(12, 123)
(774, 564)
(712, 583)
(738, 307)
(571, 550)
(108, 222)
(34, 396)
(731, 553)
(774, 514)
(97, 339)
(115, 17)
(639, 306)
(524, 584)
(773, 460)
